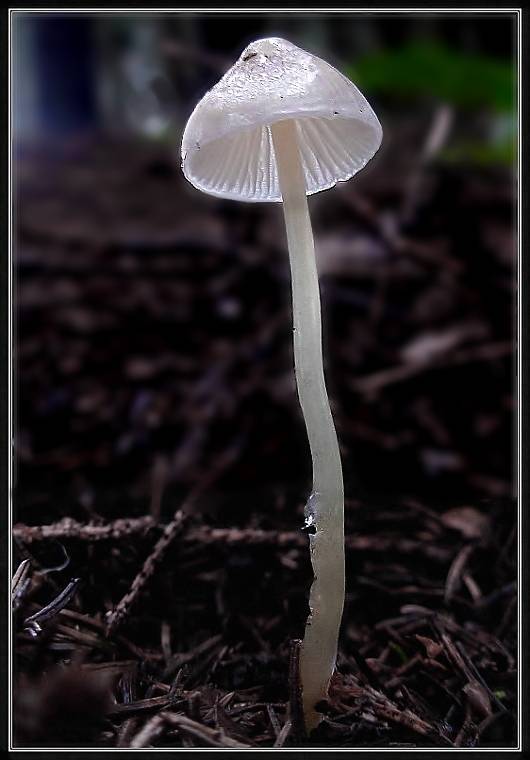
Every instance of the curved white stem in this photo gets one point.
(325, 507)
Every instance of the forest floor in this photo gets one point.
(162, 572)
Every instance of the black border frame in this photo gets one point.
(523, 280)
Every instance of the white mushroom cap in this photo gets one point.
(227, 146)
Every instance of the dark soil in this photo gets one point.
(162, 461)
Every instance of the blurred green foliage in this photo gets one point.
(481, 152)
(431, 69)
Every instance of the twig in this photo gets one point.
(455, 572)
(148, 732)
(204, 534)
(69, 528)
(396, 241)
(123, 607)
(32, 624)
(210, 736)
(256, 537)
(436, 136)
(284, 734)
(479, 678)
(372, 384)
(275, 723)
(125, 732)
(141, 706)
(453, 654)
(20, 583)
(386, 709)
(171, 531)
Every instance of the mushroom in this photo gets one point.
(282, 124)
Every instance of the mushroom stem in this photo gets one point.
(325, 507)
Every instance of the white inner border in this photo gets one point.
(10, 432)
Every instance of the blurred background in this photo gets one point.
(153, 322)
(154, 356)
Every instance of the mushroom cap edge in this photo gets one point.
(227, 146)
